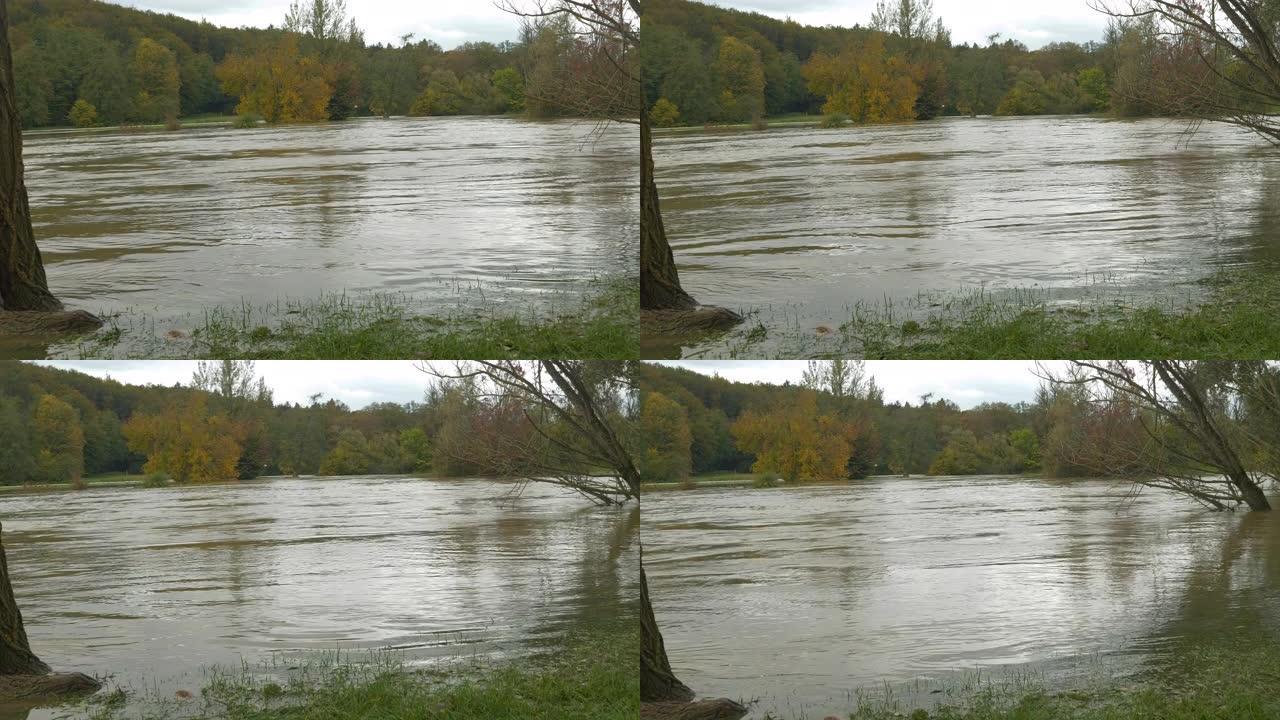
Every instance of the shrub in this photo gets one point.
(664, 113)
(83, 114)
(767, 480)
(246, 120)
(156, 480)
(171, 124)
(834, 120)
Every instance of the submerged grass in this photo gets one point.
(592, 678)
(1225, 680)
(1227, 316)
(604, 324)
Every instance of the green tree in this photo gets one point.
(83, 114)
(155, 74)
(59, 441)
(417, 449)
(17, 456)
(664, 428)
(350, 456)
(959, 457)
(664, 113)
(510, 86)
(740, 80)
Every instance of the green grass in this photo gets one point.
(102, 479)
(1224, 679)
(593, 678)
(380, 326)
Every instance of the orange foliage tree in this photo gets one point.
(864, 82)
(278, 83)
(187, 442)
(795, 441)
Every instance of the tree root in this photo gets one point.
(35, 688)
(693, 321)
(33, 322)
(718, 709)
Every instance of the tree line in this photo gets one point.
(86, 63)
(835, 425)
(707, 64)
(59, 426)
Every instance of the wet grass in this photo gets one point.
(593, 678)
(1226, 316)
(1221, 681)
(604, 324)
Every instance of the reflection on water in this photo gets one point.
(816, 220)
(154, 585)
(802, 596)
(175, 222)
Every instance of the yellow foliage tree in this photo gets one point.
(278, 83)
(155, 70)
(664, 426)
(796, 442)
(864, 83)
(740, 73)
(187, 442)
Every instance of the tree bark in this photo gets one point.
(659, 280)
(16, 657)
(657, 681)
(22, 280)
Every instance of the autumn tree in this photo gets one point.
(910, 19)
(795, 440)
(59, 441)
(664, 428)
(351, 456)
(864, 83)
(278, 83)
(155, 72)
(187, 442)
(16, 456)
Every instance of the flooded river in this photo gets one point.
(804, 597)
(151, 586)
(804, 224)
(448, 211)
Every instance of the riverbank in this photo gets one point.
(598, 324)
(1227, 316)
(1230, 680)
(592, 678)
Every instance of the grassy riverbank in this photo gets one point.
(1225, 317)
(592, 678)
(1231, 679)
(601, 325)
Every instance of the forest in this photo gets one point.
(705, 64)
(1094, 420)
(60, 426)
(86, 63)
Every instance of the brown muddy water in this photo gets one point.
(456, 214)
(805, 224)
(804, 598)
(153, 586)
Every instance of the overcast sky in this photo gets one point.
(1033, 22)
(448, 22)
(965, 382)
(356, 383)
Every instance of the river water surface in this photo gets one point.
(152, 586)
(449, 211)
(804, 224)
(803, 597)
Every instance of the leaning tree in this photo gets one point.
(1205, 427)
(23, 286)
(580, 416)
(1214, 59)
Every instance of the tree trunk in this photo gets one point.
(16, 657)
(22, 281)
(659, 281)
(657, 682)
(1253, 495)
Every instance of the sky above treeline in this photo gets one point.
(356, 383)
(967, 383)
(447, 22)
(1035, 23)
